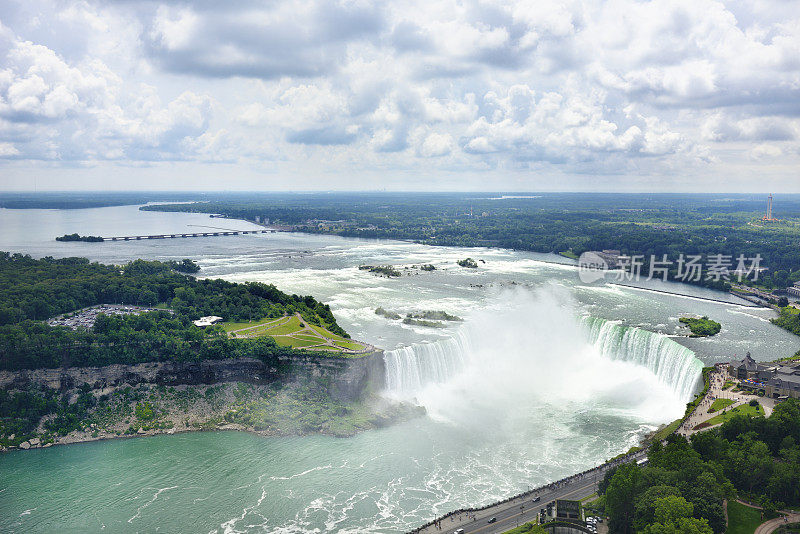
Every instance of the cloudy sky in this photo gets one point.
(414, 95)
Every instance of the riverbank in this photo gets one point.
(278, 409)
(289, 396)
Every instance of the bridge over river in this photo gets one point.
(183, 235)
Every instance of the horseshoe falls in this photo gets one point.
(671, 362)
(538, 351)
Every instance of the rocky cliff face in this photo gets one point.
(346, 379)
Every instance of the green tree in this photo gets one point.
(620, 498)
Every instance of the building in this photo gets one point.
(747, 368)
(203, 322)
(776, 381)
(794, 291)
(568, 510)
(785, 382)
(610, 256)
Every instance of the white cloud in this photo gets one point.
(571, 87)
(435, 145)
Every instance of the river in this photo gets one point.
(545, 376)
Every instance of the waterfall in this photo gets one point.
(410, 369)
(673, 364)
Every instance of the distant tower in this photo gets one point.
(768, 216)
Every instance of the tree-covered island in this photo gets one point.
(701, 327)
(77, 237)
(259, 323)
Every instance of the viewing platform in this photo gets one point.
(183, 235)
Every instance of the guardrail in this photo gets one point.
(551, 486)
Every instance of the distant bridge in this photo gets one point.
(183, 235)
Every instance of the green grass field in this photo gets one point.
(667, 430)
(229, 327)
(743, 519)
(293, 332)
(719, 404)
(744, 409)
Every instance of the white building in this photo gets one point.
(203, 322)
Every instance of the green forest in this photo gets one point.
(789, 319)
(683, 485)
(32, 290)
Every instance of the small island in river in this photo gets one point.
(702, 327)
(85, 238)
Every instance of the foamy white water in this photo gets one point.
(535, 351)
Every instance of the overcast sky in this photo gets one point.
(494, 95)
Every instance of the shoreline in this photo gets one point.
(75, 440)
(380, 412)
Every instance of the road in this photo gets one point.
(521, 510)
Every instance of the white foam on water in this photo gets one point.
(534, 349)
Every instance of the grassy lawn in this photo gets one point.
(719, 404)
(288, 328)
(303, 335)
(308, 337)
(667, 430)
(325, 333)
(744, 409)
(349, 345)
(743, 519)
(228, 327)
(285, 341)
(729, 384)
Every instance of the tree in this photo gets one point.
(620, 498)
(673, 515)
(645, 507)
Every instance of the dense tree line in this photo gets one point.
(128, 339)
(788, 319)
(83, 199)
(32, 290)
(682, 487)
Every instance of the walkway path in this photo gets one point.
(768, 526)
(701, 414)
(787, 517)
(525, 507)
